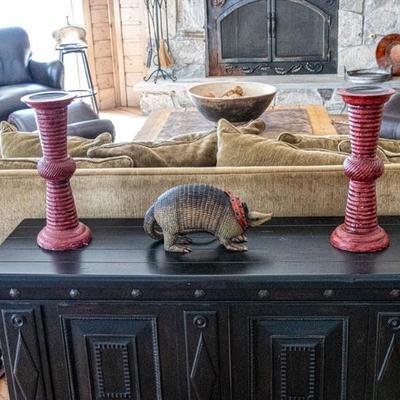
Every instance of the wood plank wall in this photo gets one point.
(134, 36)
(117, 40)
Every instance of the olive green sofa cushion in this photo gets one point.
(87, 163)
(191, 150)
(238, 150)
(14, 144)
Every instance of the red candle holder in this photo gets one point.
(63, 231)
(360, 232)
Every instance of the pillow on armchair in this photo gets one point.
(14, 144)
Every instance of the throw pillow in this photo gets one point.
(309, 141)
(110, 162)
(87, 163)
(16, 144)
(236, 149)
(190, 150)
(385, 155)
(332, 142)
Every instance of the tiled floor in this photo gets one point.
(127, 122)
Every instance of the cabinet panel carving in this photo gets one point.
(115, 355)
(22, 354)
(304, 352)
(298, 354)
(387, 357)
(122, 357)
(202, 355)
(292, 357)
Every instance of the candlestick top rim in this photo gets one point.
(366, 91)
(48, 97)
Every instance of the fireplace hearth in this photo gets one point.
(269, 37)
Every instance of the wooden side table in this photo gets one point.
(293, 318)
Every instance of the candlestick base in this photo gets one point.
(68, 239)
(376, 240)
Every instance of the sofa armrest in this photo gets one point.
(23, 120)
(48, 73)
(91, 129)
(390, 128)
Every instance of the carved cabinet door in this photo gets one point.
(114, 351)
(24, 351)
(203, 352)
(298, 352)
(385, 360)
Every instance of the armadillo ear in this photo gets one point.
(257, 218)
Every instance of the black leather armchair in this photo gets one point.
(391, 119)
(20, 75)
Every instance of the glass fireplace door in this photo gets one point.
(300, 31)
(245, 33)
(272, 36)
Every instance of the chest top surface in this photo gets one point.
(285, 248)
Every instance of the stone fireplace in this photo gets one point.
(333, 34)
(355, 24)
(272, 37)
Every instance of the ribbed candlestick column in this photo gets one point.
(63, 231)
(360, 231)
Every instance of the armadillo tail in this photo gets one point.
(150, 225)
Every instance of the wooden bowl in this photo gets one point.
(255, 100)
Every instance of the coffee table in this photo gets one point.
(310, 120)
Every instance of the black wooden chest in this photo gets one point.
(292, 319)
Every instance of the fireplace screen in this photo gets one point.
(264, 37)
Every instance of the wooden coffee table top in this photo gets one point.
(4, 389)
(166, 123)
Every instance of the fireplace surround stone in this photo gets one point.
(361, 24)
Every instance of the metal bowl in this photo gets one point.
(366, 76)
(256, 99)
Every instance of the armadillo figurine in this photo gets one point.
(200, 208)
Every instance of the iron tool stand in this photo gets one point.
(157, 17)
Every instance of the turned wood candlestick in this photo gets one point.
(63, 231)
(360, 231)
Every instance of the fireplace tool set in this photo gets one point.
(158, 53)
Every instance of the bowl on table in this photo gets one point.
(248, 100)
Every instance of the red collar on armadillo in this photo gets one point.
(238, 209)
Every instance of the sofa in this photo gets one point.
(20, 75)
(128, 192)
(286, 191)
